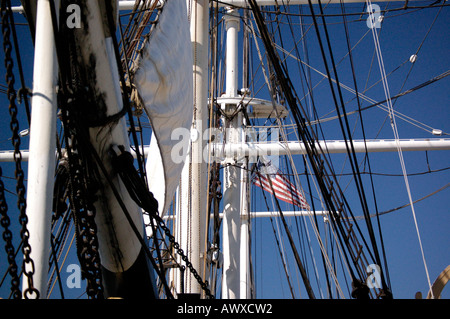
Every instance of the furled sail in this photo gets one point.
(97, 126)
(164, 82)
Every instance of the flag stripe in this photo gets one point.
(283, 188)
(279, 195)
(283, 192)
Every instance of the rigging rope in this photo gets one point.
(123, 163)
(417, 51)
(409, 204)
(284, 138)
(368, 160)
(358, 287)
(346, 132)
(380, 104)
(277, 241)
(291, 241)
(396, 136)
(332, 192)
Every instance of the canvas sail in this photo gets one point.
(164, 82)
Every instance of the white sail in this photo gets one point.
(164, 82)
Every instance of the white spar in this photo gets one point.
(330, 147)
(296, 148)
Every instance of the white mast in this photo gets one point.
(232, 174)
(191, 214)
(245, 271)
(41, 167)
(245, 279)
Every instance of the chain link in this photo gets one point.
(28, 264)
(9, 247)
(81, 202)
(203, 284)
(76, 111)
(123, 164)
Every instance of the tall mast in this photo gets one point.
(245, 271)
(191, 214)
(41, 168)
(232, 173)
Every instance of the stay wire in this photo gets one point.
(400, 153)
(335, 98)
(417, 52)
(277, 241)
(317, 165)
(317, 225)
(349, 143)
(366, 152)
(350, 149)
(307, 77)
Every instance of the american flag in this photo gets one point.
(284, 189)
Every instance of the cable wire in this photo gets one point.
(396, 135)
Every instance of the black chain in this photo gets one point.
(28, 264)
(81, 202)
(203, 284)
(9, 247)
(76, 110)
(88, 247)
(139, 192)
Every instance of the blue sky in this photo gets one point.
(400, 37)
